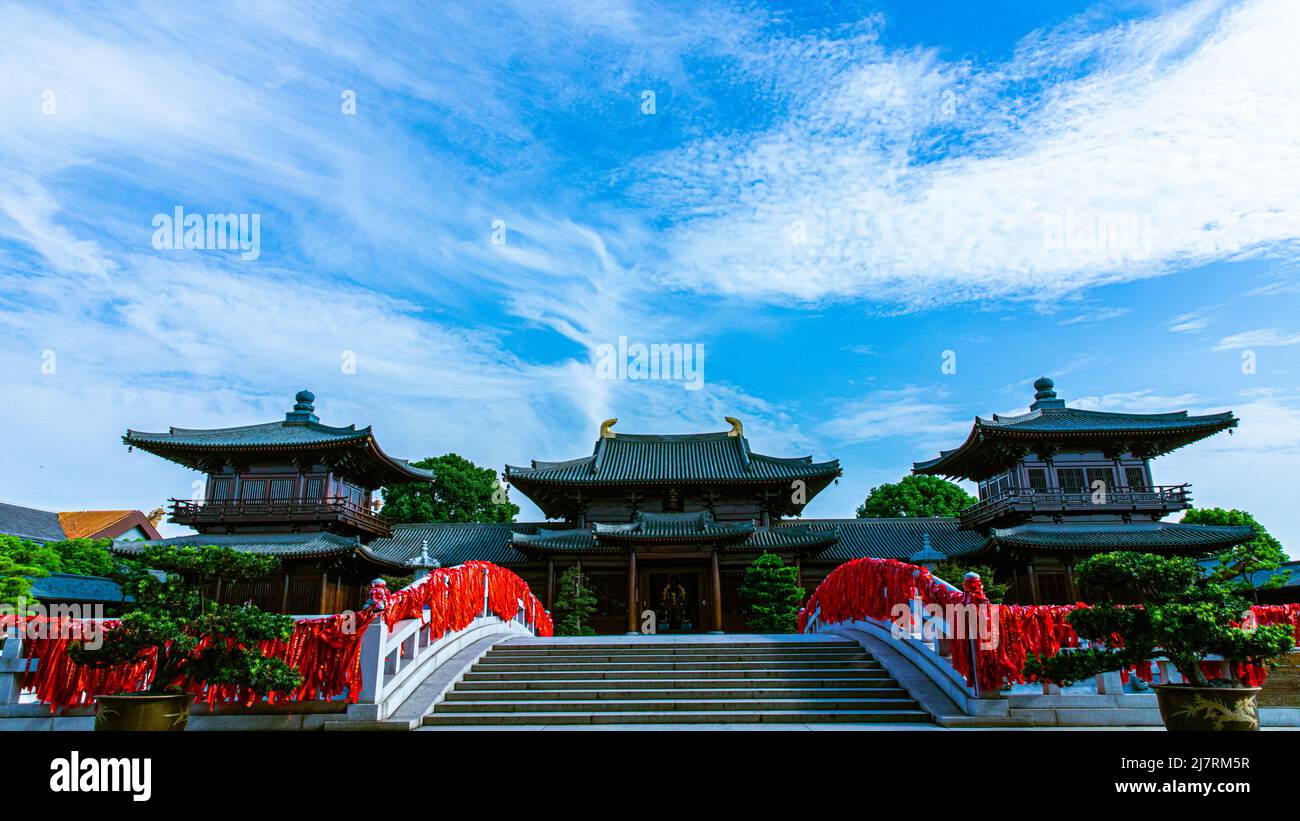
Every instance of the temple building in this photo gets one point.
(1058, 484)
(295, 489)
(667, 524)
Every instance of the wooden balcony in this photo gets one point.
(330, 514)
(1022, 502)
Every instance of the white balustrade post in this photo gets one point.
(1110, 683)
(373, 650)
(485, 592)
(11, 666)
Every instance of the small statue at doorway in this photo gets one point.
(673, 600)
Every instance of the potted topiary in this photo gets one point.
(192, 640)
(1183, 615)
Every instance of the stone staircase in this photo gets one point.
(675, 680)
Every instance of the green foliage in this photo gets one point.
(461, 491)
(915, 495)
(171, 617)
(954, 572)
(771, 595)
(1185, 616)
(14, 585)
(20, 557)
(574, 605)
(1238, 564)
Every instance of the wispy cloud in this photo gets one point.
(1115, 172)
(1260, 338)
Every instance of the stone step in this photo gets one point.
(648, 705)
(487, 666)
(613, 675)
(669, 650)
(651, 645)
(518, 684)
(642, 658)
(680, 717)
(706, 693)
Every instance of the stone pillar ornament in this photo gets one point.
(377, 598)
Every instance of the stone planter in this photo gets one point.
(143, 712)
(1184, 707)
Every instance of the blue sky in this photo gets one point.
(827, 197)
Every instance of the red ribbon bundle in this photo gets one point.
(325, 651)
(872, 588)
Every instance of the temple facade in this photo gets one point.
(664, 526)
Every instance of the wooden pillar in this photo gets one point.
(324, 592)
(1033, 584)
(550, 581)
(717, 592)
(217, 596)
(631, 592)
(284, 596)
(1072, 592)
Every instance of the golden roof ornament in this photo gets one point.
(737, 429)
(605, 432)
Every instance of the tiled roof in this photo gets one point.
(1100, 536)
(993, 445)
(681, 527)
(315, 544)
(300, 430)
(30, 523)
(1068, 420)
(266, 434)
(893, 538)
(787, 537)
(71, 587)
(699, 457)
(573, 540)
(451, 544)
(78, 524)
(82, 524)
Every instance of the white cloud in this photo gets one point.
(1188, 322)
(1260, 338)
(1180, 128)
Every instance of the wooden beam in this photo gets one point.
(717, 592)
(550, 581)
(631, 592)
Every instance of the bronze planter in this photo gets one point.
(1184, 707)
(168, 712)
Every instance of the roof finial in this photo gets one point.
(303, 409)
(1044, 396)
(605, 432)
(737, 429)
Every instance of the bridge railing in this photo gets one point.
(975, 650)
(370, 659)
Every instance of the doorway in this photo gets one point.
(675, 598)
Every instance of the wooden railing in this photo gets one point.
(278, 511)
(1160, 499)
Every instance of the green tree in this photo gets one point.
(771, 595)
(574, 605)
(461, 491)
(1185, 614)
(87, 557)
(21, 558)
(1237, 565)
(170, 617)
(14, 583)
(954, 572)
(915, 495)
